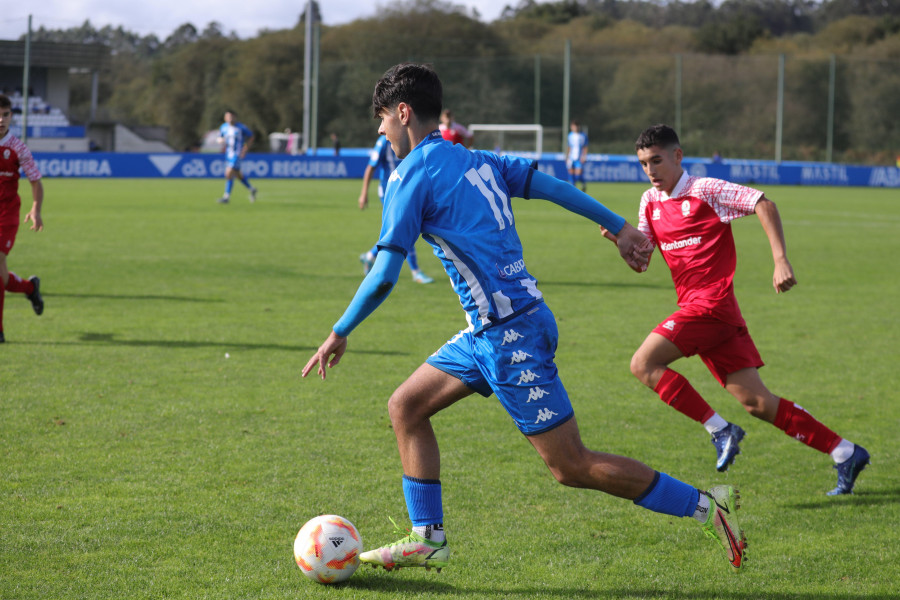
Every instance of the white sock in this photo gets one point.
(702, 511)
(843, 451)
(715, 423)
(432, 533)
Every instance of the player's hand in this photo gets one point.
(37, 224)
(634, 248)
(329, 354)
(783, 279)
(363, 201)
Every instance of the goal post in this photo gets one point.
(509, 138)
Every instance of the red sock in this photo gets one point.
(795, 421)
(677, 392)
(18, 285)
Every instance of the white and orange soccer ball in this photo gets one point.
(327, 549)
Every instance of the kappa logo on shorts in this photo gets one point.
(545, 414)
(510, 336)
(519, 356)
(670, 325)
(528, 376)
(536, 393)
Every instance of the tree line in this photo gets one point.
(628, 60)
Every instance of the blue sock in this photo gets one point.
(229, 183)
(412, 260)
(669, 496)
(246, 182)
(423, 500)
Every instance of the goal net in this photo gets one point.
(508, 139)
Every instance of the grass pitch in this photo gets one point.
(157, 440)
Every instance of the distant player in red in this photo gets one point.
(13, 156)
(453, 131)
(689, 220)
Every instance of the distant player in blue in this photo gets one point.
(576, 154)
(382, 162)
(237, 138)
(460, 202)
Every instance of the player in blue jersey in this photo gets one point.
(382, 162)
(576, 154)
(459, 201)
(237, 138)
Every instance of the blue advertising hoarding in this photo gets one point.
(352, 164)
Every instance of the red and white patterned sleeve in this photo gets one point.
(26, 161)
(730, 200)
(644, 225)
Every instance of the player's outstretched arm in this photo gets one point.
(329, 354)
(34, 215)
(634, 248)
(371, 293)
(783, 278)
(364, 193)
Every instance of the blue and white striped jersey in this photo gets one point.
(577, 141)
(236, 135)
(459, 201)
(384, 161)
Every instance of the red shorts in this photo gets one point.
(8, 236)
(723, 347)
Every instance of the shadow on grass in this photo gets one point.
(417, 586)
(141, 297)
(109, 339)
(751, 595)
(545, 283)
(859, 498)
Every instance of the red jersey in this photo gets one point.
(454, 133)
(692, 229)
(451, 135)
(14, 154)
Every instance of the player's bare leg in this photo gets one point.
(574, 465)
(850, 459)
(749, 389)
(652, 358)
(650, 364)
(426, 392)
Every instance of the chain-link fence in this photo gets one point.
(750, 106)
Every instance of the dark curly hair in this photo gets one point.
(415, 84)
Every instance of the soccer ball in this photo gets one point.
(327, 549)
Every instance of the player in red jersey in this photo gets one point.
(13, 156)
(453, 131)
(689, 220)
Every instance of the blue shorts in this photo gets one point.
(234, 162)
(575, 165)
(513, 360)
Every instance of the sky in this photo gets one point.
(162, 17)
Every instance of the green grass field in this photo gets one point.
(157, 440)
